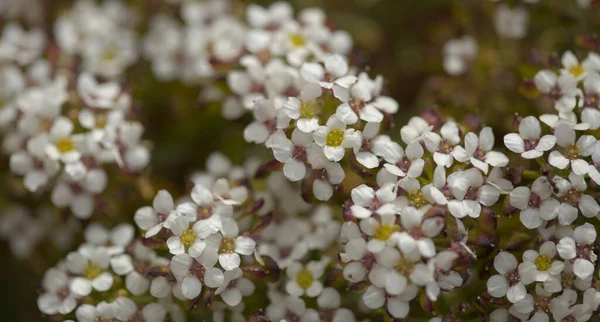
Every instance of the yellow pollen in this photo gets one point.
(304, 278)
(188, 238)
(543, 263)
(91, 271)
(65, 145)
(384, 232)
(227, 245)
(576, 70)
(297, 40)
(308, 109)
(572, 151)
(335, 138)
(418, 199)
(404, 266)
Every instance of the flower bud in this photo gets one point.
(488, 220)
(262, 222)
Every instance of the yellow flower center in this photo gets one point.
(335, 137)
(543, 263)
(576, 70)
(404, 266)
(188, 238)
(572, 151)
(304, 278)
(308, 109)
(384, 232)
(65, 145)
(297, 40)
(91, 270)
(101, 121)
(417, 199)
(227, 245)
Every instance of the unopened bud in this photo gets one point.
(261, 223)
(488, 220)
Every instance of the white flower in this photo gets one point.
(571, 64)
(594, 172)
(115, 240)
(152, 219)
(364, 153)
(400, 163)
(570, 192)
(580, 250)
(417, 232)
(33, 164)
(267, 121)
(189, 272)
(511, 23)
(479, 151)
(204, 213)
(380, 231)
(185, 238)
(231, 246)
(416, 129)
(90, 263)
(334, 73)
(292, 153)
(536, 205)
(458, 53)
(102, 311)
(57, 297)
(542, 263)
(367, 201)
(135, 269)
(21, 46)
(306, 108)
(590, 102)
(444, 147)
(95, 94)
(470, 192)
(528, 141)
(335, 138)
(561, 89)
(304, 279)
(328, 173)
(234, 287)
(573, 151)
(62, 144)
(510, 281)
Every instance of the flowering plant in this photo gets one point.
(334, 212)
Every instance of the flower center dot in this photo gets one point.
(308, 109)
(304, 278)
(384, 232)
(227, 245)
(187, 238)
(576, 70)
(417, 199)
(335, 138)
(404, 266)
(65, 145)
(91, 271)
(572, 151)
(543, 262)
(297, 40)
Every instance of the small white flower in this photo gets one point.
(571, 193)
(561, 89)
(511, 22)
(335, 138)
(364, 153)
(368, 201)
(479, 151)
(571, 64)
(510, 281)
(470, 192)
(536, 205)
(458, 53)
(62, 144)
(380, 231)
(189, 272)
(57, 297)
(304, 279)
(306, 108)
(580, 250)
(416, 129)
(231, 246)
(544, 262)
(153, 219)
(528, 141)
(573, 151)
(90, 263)
(234, 287)
(292, 153)
(267, 121)
(445, 148)
(590, 102)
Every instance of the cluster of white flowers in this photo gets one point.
(560, 276)
(60, 126)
